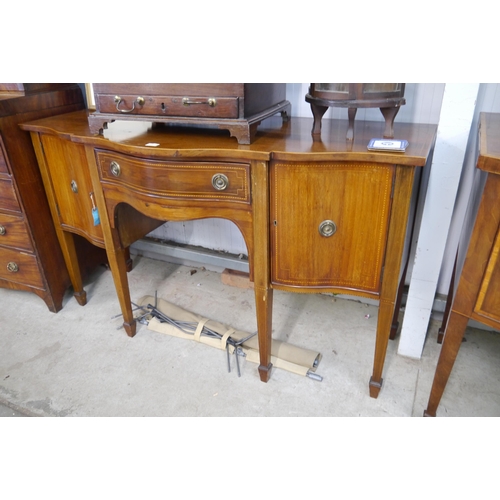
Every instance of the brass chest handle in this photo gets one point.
(327, 228)
(2, 230)
(140, 101)
(12, 267)
(212, 102)
(115, 168)
(220, 182)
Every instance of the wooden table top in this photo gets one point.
(275, 139)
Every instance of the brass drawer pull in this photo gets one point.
(115, 168)
(74, 187)
(210, 101)
(12, 267)
(140, 101)
(327, 228)
(2, 230)
(220, 182)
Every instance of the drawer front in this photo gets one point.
(181, 180)
(168, 105)
(329, 224)
(14, 233)
(8, 198)
(20, 267)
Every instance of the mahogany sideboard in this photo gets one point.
(316, 216)
(478, 293)
(30, 257)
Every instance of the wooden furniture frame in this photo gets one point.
(151, 174)
(478, 294)
(30, 257)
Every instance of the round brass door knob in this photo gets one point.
(327, 228)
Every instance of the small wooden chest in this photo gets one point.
(237, 107)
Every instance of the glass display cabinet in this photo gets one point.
(386, 96)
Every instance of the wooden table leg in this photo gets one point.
(262, 266)
(67, 242)
(455, 330)
(385, 315)
(264, 309)
(118, 256)
(390, 280)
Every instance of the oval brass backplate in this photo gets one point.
(115, 168)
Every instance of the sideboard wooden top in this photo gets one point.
(275, 139)
(489, 146)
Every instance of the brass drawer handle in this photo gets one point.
(12, 267)
(2, 230)
(140, 101)
(211, 101)
(220, 182)
(327, 228)
(115, 168)
(74, 187)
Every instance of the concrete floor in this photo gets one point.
(79, 363)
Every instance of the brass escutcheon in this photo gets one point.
(12, 267)
(327, 228)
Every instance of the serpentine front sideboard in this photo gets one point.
(317, 216)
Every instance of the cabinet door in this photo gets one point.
(70, 178)
(329, 224)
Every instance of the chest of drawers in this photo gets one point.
(236, 107)
(315, 216)
(30, 257)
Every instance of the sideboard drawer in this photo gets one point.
(13, 232)
(183, 180)
(20, 267)
(8, 198)
(169, 105)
